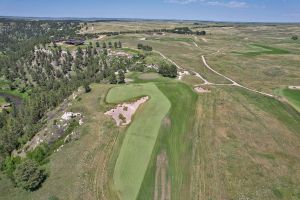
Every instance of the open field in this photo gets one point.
(271, 63)
(140, 136)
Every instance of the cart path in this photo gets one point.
(206, 82)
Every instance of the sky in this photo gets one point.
(212, 10)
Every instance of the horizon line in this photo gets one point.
(145, 19)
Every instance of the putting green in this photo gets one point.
(140, 136)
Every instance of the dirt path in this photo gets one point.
(234, 83)
(206, 82)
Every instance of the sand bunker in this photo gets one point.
(294, 87)
(201, 90)
(182, 73)
(123, 113)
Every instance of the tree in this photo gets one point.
(140, 46)
(109, 44)
(87, 88)
(97, 44)
(294, 37)
(121, 76)
(120, 45)
(104, 45)
(28, 175)
(168, 70)
(113, 78)
(115, 45)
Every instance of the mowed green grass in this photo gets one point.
(293, 96)
(262, 49)
(176, 139)
(140, 136)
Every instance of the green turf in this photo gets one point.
(140, 136)
(293, 96)
(175, 138)
(262, 49)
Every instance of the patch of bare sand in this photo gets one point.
(201, 90)
(162, 188)
(123, 113)
(294, 87)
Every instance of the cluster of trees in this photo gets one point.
(167, 70)
(178, 30)
(144, 47)
(200, 32)
(116, 45)
(114, 79)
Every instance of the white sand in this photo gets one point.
(294, 87)
(201, 90)
(126, 110)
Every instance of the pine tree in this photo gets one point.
(113, 78)
(121, 76)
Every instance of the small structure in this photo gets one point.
(74, 42)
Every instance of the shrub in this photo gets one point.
(168, 70)
(10, 165)
(87, 88)
(28, 175)
(39, 153)
(294, 37)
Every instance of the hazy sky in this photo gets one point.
(219, 10)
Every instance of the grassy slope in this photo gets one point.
(176, 139)
(293, 96)
(140, 136)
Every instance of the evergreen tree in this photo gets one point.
(121, 76)
(113, 78)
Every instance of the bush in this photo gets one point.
(10, 165)
(39, 154)
(28, 175)
(294, 37)
(167, 70)
(87, 88)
